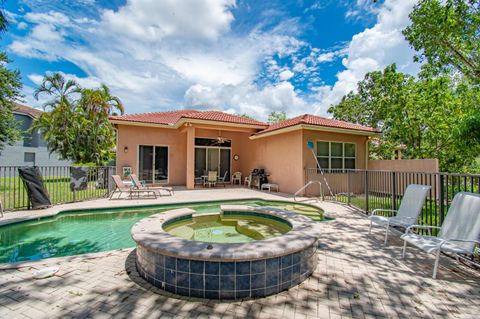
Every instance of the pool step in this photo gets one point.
(205, 217)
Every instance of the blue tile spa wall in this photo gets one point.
(226, 280)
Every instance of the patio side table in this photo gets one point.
(269, 186)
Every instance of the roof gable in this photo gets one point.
(308, 119)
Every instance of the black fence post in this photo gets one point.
(366, 191)
(441, 198)
(349, 201)
(394, 191)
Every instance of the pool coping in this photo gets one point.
(150, 234)
(54, 213)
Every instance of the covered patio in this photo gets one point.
(356, 277)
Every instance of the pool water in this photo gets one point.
(80, 232)
(227, 229)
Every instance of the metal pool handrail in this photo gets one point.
(305, 186)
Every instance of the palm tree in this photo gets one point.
(60, 88)
(100, 101)
(77, 126)
(3, 18)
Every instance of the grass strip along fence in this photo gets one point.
(56, 180)
(369, 190)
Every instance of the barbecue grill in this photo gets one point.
(259, 177)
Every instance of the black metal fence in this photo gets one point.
(56, 179)
(369, 190)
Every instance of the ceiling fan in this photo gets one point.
(221, 140)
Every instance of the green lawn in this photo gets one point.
(13, 194)
(430, 215)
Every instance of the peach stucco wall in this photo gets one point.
(283, 156)
(133, 136)
(409, 165)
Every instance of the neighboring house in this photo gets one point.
(177, 147)
(30, 149)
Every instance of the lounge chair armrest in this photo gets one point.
(462, 241)
(375, 211)
(409, 228)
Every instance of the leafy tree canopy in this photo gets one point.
(446, 33)
(421, 114)
(3, 20)
(10, 86)
(77, 126)
(245, 115)
(275, 117)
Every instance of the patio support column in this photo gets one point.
(190, 182)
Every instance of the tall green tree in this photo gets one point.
(77, 125)
(422, 114)
(10, 86)
(3, 20)
(447, 34)
(275, 117)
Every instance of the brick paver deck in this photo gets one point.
(356, 277)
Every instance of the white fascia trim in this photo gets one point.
(314, 128)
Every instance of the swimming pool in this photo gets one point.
(88, 231)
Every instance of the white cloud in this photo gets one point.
(373, 49)
(326, 57)
(286, 75)
(247, 98)
(22, 26)
(51, 17)
(151, 75)
(45, 32)
(156, 55)
(153, 20)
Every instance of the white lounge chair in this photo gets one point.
(138, 185)
(408, 212)
(121, 188)
(459, 234)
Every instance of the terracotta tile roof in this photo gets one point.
(309, 119)
(26, 110)
(172, 117)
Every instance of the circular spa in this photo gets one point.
(240, 252)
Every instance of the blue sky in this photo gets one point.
(240, 56)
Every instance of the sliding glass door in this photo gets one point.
(212, 159)
(153, 164)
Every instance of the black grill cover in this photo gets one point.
(78, 178)
(37, 194)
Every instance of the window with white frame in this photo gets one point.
(336, 155)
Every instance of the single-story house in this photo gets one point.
(177, 147)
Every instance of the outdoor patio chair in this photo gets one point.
(121, 188)
(237, 177)
(211, 179)
(408, 212)
(248, 181)
(137, 184)
(459, 234)
(222, 180)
